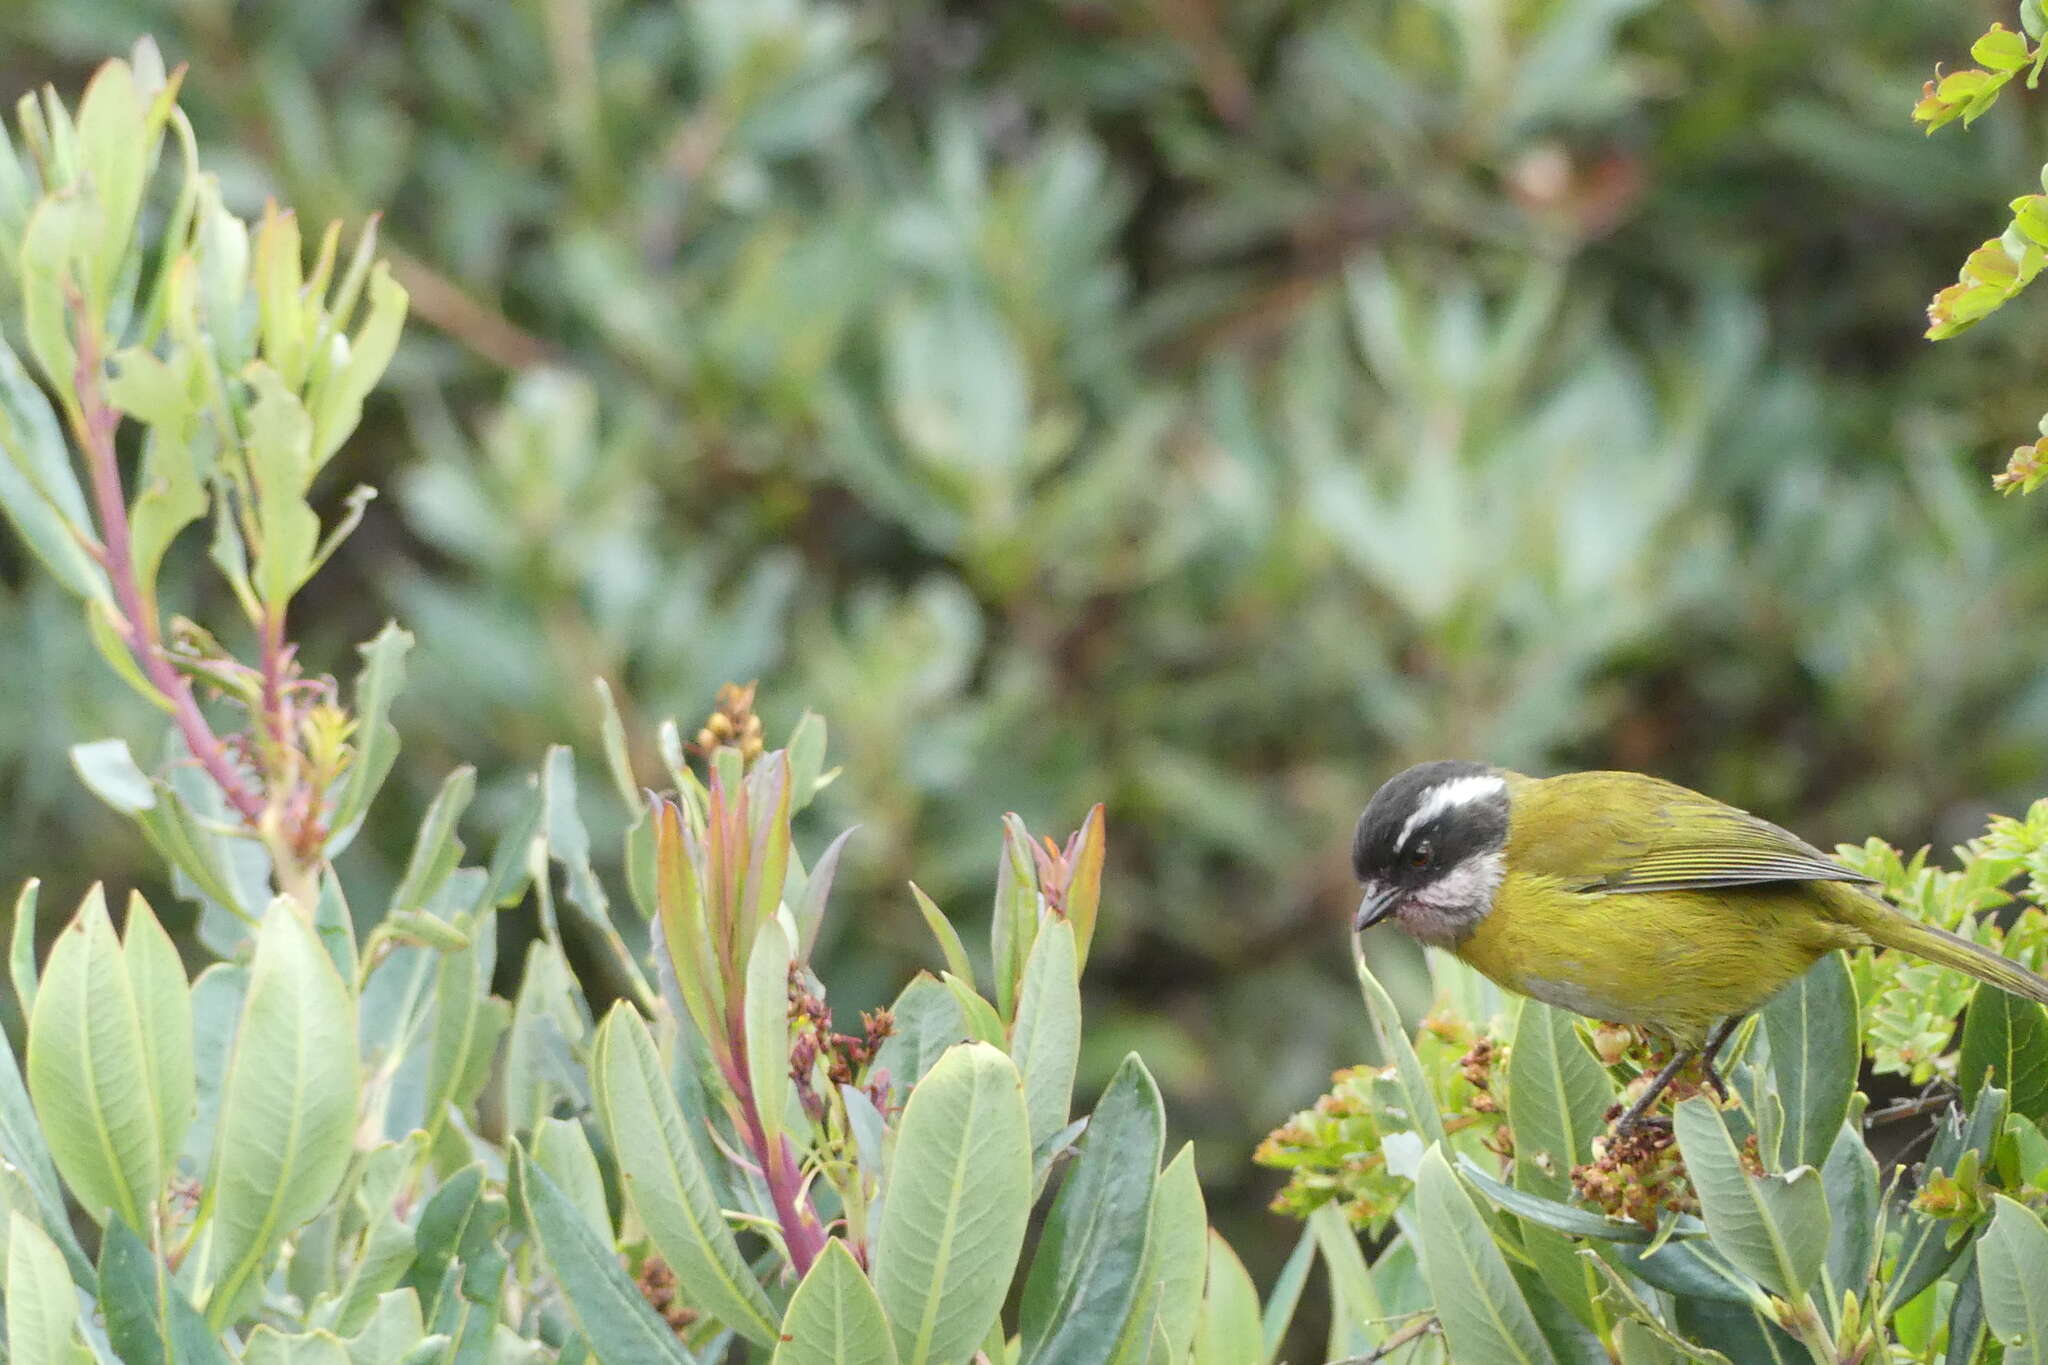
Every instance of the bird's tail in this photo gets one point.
(1892, 929)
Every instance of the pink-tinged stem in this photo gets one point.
(801, 1231)
(98, 421)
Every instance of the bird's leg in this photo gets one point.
(1715, 1042)
(1634, 1117)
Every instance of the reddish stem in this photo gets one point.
(801, 1231)
(97, 423)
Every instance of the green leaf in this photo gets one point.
(436, 849)
(28, 1162)
(112, 1098)
(2001, 50)
(807, 775)
(268, 1346)
(1083, 1280)
(2005, 1043)
(110, 772)
(115, 146)
(216, 1008)
(2012, 1266)
(928, 1021)
(665, 1181)
(1966, 1325)
(1557, 1099)
(339, 406)
(394, 1327)
(1177, 1249)
(549, 1022)
(278, 449)
(287, 1110)
(1689, 1267)
(1046, 1039)
(1775, 1227)
(767, 1023)
(469, 1022)
(950, 946)
(621, 1328)
(979, 1016)
(1392, 1036)
(57, 228)
(21, 951)
(149, 1319)
(42, 1304)
(1927, 1246)
(561, 1149)
(1737, 1332)
(612, 731)
(381, 677)
(834, 1317)
(171, 491)
(1643, 1335)
(1278, 1315)
(1014, 918)
(1849, 1179)
(163, 1005)
(1566, 1218)
(1815, 1050)
(39, 490)
(1227, 1330)
(1485, 1317)
(1355, 1308)
(957, 1192)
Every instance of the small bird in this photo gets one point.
(1627, 898)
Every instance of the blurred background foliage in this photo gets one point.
(1203, 407)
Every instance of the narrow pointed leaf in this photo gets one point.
(1391, 1034)
(1084, 1280)
(1227, 1331)
(767, 1022)
(616, 1320)
(1046, 1040)
(950, 946)
(21, 952)
(1485, 1317)
(665, 1181)
(1355, 1308)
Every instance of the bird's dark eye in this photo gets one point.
(1420, 857)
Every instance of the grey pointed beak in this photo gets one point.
(1379, 903)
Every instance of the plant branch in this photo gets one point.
(96, 421)
(801, 1231)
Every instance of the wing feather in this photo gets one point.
(1670, 838)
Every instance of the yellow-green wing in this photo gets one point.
(1624, 832)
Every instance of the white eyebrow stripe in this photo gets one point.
(1459, 791)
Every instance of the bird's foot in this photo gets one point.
(1628, 1125)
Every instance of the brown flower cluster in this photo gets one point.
(1637, 1176)
(657, 1284)
(846, 1057)
(1476, 1066)
(732, 725)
